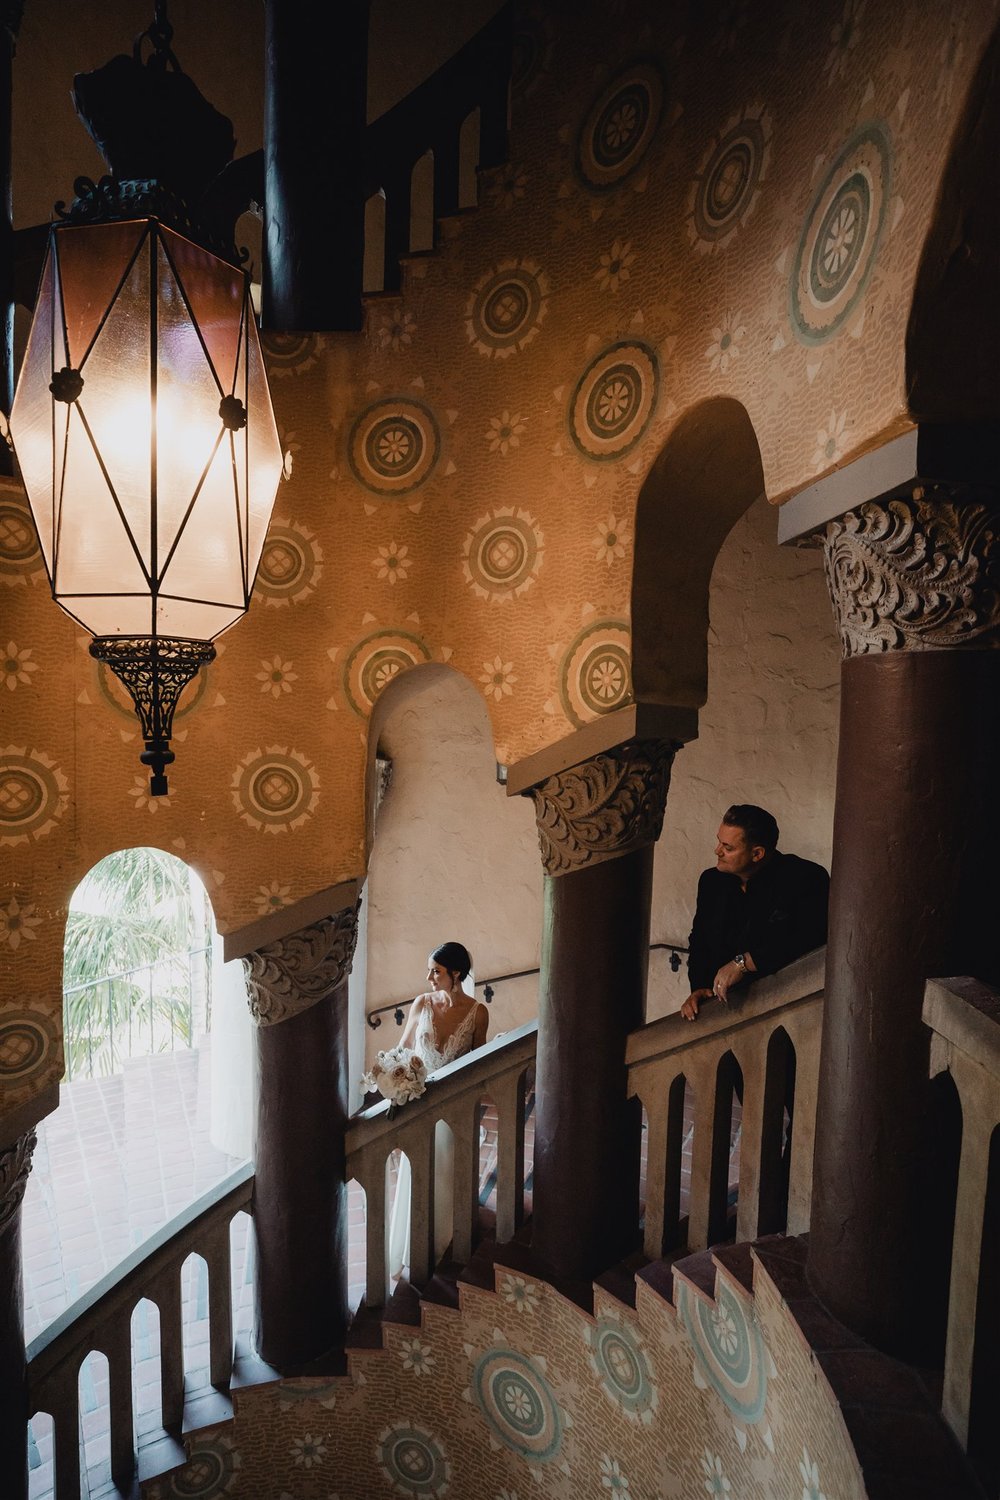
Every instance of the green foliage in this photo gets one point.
(137, 908)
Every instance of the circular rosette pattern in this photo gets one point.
(374, 662)
(291, 564)
(839, 243)
(276, 789)
(20, 554)
(727, 184)
(413, 1461)
(502, 554)
(619, 126)
(27, 1042)
(614, 400)
(507, 308)
(34, 794)
(518, 1405)
(728, 1348)
(289, 353)
(617, 1355)
(209, 1471)
(596, 672)
(393, 446)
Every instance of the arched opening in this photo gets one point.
(357, 1243)
(41, 1460)
(241, 1251)
(373, 272)
(147, 1390)
(677, 1175)
(489, 1141)
(194, 1319)
(529, 1140)
(776, 1132)
(397, 1218)
(422, 203)
(444, 1190)
(468, 161)
(983, 1448)
(723, 1192)
(93, 1384)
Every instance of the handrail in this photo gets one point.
(486, 985)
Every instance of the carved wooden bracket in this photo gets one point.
(288, 976)
(15, 1164)
(605, 807)
(917, 573)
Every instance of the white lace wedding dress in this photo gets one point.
(434, 1056)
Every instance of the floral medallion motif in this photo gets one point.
(18, 921)
(291, 565)
(393, 446)
(374, 662)
(27, 1041)
(34, 794)
(20, 554)
(728, 1349)
(413, 1461)
(596, 672)
(614, 400)
(518, 1405)
(840, 239)
(210, 1470)
(507, 307)
(617, 1355)
(275, 789)
(727, 184)
(502, 554)
(290, 353)
(619, 126)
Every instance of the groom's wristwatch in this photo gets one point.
(740, 962)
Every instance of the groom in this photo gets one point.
(757, 909)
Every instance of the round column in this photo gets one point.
(15, 1164)
(915, 889)
(298, 997)
(597, 826)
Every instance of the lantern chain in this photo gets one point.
(160, 34)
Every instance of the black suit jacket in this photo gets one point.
(778, 916)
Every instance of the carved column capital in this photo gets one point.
(288, 976)
(15, 1164)
(919, 572)
(606, 807)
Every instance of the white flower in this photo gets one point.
(726, 339)
(612, 540)
(398, 1074)
(307, 1451)
(621, 125)
(276, 677)
(810, 1478)
(724, 1329)
(612, 1477)
(394, 332)
(16, 922)
(716, 1482)
(613, 400)
(392, 562)
(497, 678)
(144, 797)
(416, 1356)
(830, 441)
(16, 666)
(844, 36)
(614, 267)
(520, 1293)
(271, 898)
(505, 432)
(509, 187)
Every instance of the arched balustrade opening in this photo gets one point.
(983, 1448)
(724, 1182)
(776, 1142)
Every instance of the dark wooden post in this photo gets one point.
(298, 997)
(915, 890)
(315, 107)
(10, 20)
(597, 826)
(15, 1164)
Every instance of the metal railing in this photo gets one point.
(398, 1007)
(149, 1009)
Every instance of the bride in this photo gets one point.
(444, 1023)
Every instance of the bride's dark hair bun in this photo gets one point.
(454, 957)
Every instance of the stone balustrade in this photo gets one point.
(497, 1071)
(964, 1017)
(772, 1035)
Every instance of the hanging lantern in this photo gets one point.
(146, 440)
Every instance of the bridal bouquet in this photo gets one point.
(399, 1075)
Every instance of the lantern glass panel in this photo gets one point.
(208, 562)
(92, 261)
(31, 417)
(264, 457)
(215, 292)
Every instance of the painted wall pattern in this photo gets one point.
(519, 1393)
(738, 209)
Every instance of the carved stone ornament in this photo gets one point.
(288, 976)
(15, 1164)
(606, 807)
(918, 573)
